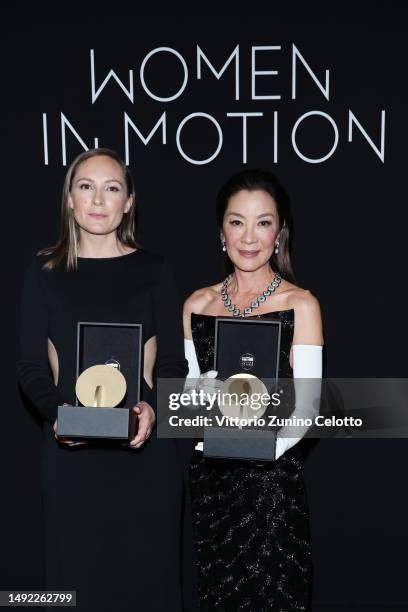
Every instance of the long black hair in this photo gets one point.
(258, 179)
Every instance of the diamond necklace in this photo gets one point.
(273, 285)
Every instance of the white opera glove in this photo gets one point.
(191, 356)
(206, 382)
(307, 375)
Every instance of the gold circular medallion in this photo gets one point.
(240, 397)
(101, 386)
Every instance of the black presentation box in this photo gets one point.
(250, 346)
(119, 344)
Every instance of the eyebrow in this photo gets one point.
(268, 214)
(85, 178)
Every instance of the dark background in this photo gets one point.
(350, 225)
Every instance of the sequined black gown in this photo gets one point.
(251, 522)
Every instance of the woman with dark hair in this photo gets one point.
(251, 520)
(113, 512)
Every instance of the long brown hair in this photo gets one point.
(252, 180)
(67, 245)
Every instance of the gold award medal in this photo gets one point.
(101, 386)
(240, 397)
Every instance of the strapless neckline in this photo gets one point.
(263, 314)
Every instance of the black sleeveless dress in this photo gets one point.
(251, 521)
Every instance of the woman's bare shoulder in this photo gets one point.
(199, 302)
(201, 299)
(308, 320)
(301, 299)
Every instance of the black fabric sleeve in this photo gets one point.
(170, 362)
(34, 374)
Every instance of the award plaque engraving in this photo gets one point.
(108, 382)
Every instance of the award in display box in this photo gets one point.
(108, 367)
(246, 356)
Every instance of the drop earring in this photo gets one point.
(224, 248)
(277, 247)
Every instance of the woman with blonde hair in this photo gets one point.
(113, 512)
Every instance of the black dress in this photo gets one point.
(251, 522)
(113, 515)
